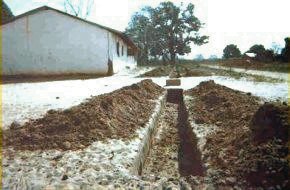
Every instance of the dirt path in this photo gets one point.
(174, 155)
(163, 157)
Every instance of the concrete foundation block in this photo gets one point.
(173, 82)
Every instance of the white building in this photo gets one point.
(46, 41)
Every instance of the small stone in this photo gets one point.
(218, 123)
(104, 182)
(15, 125)
(157, 178)
(57, 97)
(58, 157)
(170, 179)
(67, 145)
(64, 177)
(231, 180)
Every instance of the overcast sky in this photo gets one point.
(241, 22)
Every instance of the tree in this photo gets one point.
(169, 30)
(6, 12)
(231, 51)
(286, 50)
(276, 48)
(199, 57)
(143, 34)
(213, 57)
(258, 49)
(262, 54)
(79, 8)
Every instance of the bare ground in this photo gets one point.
(114, 115)
(233, 151)
(163, 157)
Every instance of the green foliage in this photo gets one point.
(261, 53)
(6, 12)
(165, 31)
(231, 51)
(286, 50)
(257, 49)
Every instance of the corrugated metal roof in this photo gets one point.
(116, 32)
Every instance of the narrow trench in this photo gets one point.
(175, 153)
(189, 157)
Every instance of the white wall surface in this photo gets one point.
(120, 61)
(49, 42)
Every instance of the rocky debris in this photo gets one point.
(234, 157)
(114, 115)
(162, 160)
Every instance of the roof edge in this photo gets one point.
(42, 8)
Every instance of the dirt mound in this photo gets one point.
(114, 115)
(194, 73)
(176, 71)
(231, 150)
(158, 72)
(216, 104)
(271, 121)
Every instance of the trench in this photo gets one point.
(173, 151)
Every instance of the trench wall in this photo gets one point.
(147, 140)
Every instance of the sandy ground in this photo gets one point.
(102, 165)
(95, 166)
(269, 91)
(277, 75)
(23, 101)
(235, 156)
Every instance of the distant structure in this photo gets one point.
(46, 41)
(249, 57)
(6, 13)
(199, 57)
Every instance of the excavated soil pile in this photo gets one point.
(233, 150)
(158, 72)
(181, 71)
(222, 106)
(186, 72)
(271, 120)
(114, 115)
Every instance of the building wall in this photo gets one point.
(120, 61)
(49, 42)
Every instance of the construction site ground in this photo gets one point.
(210, 136)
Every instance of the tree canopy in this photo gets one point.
(6, 13)
(262, 54)
(79, 8)
(165, 31)
(231, 51)
(286, 50)
(257, 49)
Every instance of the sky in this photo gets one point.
(240, 22)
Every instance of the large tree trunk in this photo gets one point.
(172, 57)
(171, 48)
